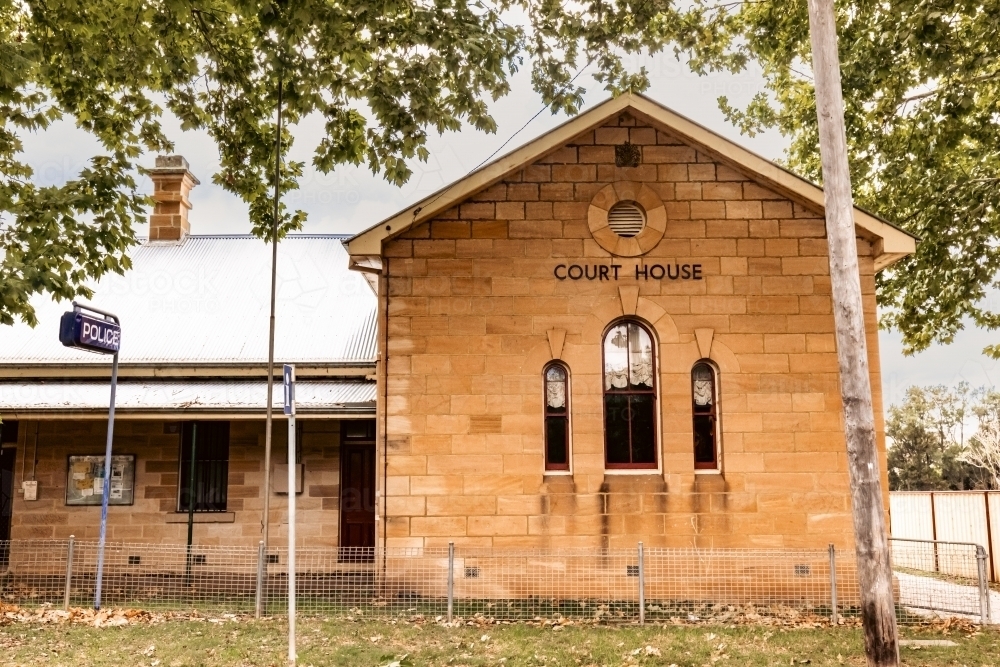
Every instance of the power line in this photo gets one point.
(530, 120)
(538, 113)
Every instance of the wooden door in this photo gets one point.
(357, 502)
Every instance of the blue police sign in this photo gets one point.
(86, 332)
(100, 333)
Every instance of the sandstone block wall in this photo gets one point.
(156, 480)
(471, 297)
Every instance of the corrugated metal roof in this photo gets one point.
(207, 300)
(328, 397)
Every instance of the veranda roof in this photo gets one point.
(156, 398)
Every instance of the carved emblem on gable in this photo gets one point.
(627, 155)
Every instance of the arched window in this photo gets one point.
(705, 408)
(556, 417)
(629, 397)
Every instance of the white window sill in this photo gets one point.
(634, 471)
(706, 471)
(558, 473)
(203, 517)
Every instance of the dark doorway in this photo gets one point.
(6, 502)
(357, 491)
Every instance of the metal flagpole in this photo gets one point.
(265, 519)
(288, 376)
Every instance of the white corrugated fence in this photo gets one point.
(949, 516)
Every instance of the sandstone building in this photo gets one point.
(621, 331)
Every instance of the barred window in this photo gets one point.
(629, 397)
(556, 417)
(705, 410)
(209, 442)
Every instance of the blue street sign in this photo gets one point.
(86, 332)
(104, 335)
(288, 378)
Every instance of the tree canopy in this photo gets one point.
(382, 75)
(921, 81)
(929, 449)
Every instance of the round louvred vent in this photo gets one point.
(626, 219)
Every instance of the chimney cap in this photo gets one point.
(171, 162)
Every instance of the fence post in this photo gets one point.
(69, 572)
(451, 580)
(833, 585)
(259, 598)
(642, 586)
(984, 591)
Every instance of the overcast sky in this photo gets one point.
(351, 199)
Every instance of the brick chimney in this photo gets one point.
(172, 183)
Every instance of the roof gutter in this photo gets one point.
(181, 370)
(347, 411)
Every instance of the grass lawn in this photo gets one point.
(178, 643)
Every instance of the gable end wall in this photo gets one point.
(471, 297)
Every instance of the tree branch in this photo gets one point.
(941, 89)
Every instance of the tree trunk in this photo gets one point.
(872, 547)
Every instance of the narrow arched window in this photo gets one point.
(556, 417)
(629, 397)
(705, 408)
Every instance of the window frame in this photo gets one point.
(556, 468)
(654, 392)
(184, 467)
(715, 465)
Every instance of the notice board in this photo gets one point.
(85, 480)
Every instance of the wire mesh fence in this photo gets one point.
(943, 579)
(151, 576)
(603, 585)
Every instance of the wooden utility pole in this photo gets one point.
(878, 612)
